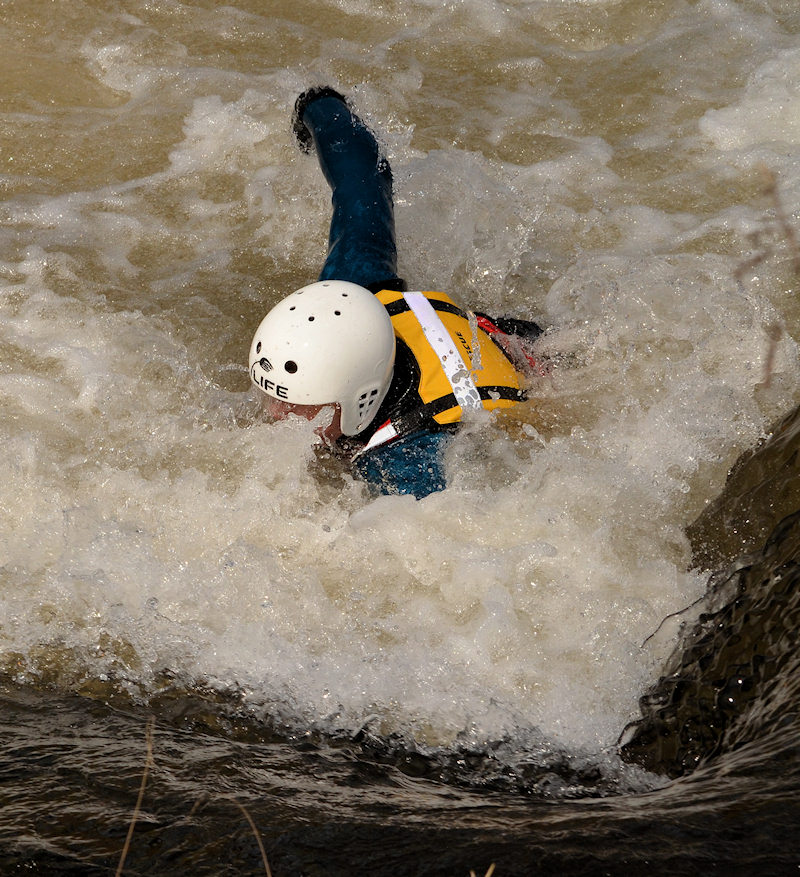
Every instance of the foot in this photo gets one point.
(301, 133)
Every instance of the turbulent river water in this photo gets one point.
(581, 657)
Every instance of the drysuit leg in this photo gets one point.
(361, 245)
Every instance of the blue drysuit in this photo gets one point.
(362, 250)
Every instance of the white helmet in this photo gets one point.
(330, 342)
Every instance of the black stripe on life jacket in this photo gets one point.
(422, 417)
(486, 393)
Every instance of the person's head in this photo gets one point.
(327, 344)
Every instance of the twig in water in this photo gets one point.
(766, 239)
(249, 818)
(148, 763)
(747, 266)
(771, 189)
(204, 800)
(136, 810)
(488, 873)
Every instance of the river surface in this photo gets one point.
(577, 659)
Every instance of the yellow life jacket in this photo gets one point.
(460, 365)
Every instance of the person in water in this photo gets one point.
(398, 369)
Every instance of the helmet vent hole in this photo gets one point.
(310, 319)
(338, 313)
(290, 366)
(366, 401)
(258, 347)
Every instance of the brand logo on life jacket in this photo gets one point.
(466, 344)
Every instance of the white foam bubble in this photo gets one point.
(216, 132)
(768, 111)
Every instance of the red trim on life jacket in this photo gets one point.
(486, 324)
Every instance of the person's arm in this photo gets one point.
(410, 466)
(515, 338)
(362, 237)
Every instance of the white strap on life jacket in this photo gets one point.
(382, 435)
(456, 370)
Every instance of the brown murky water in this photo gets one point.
(391, 686)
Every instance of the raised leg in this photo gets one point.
(362, 245)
